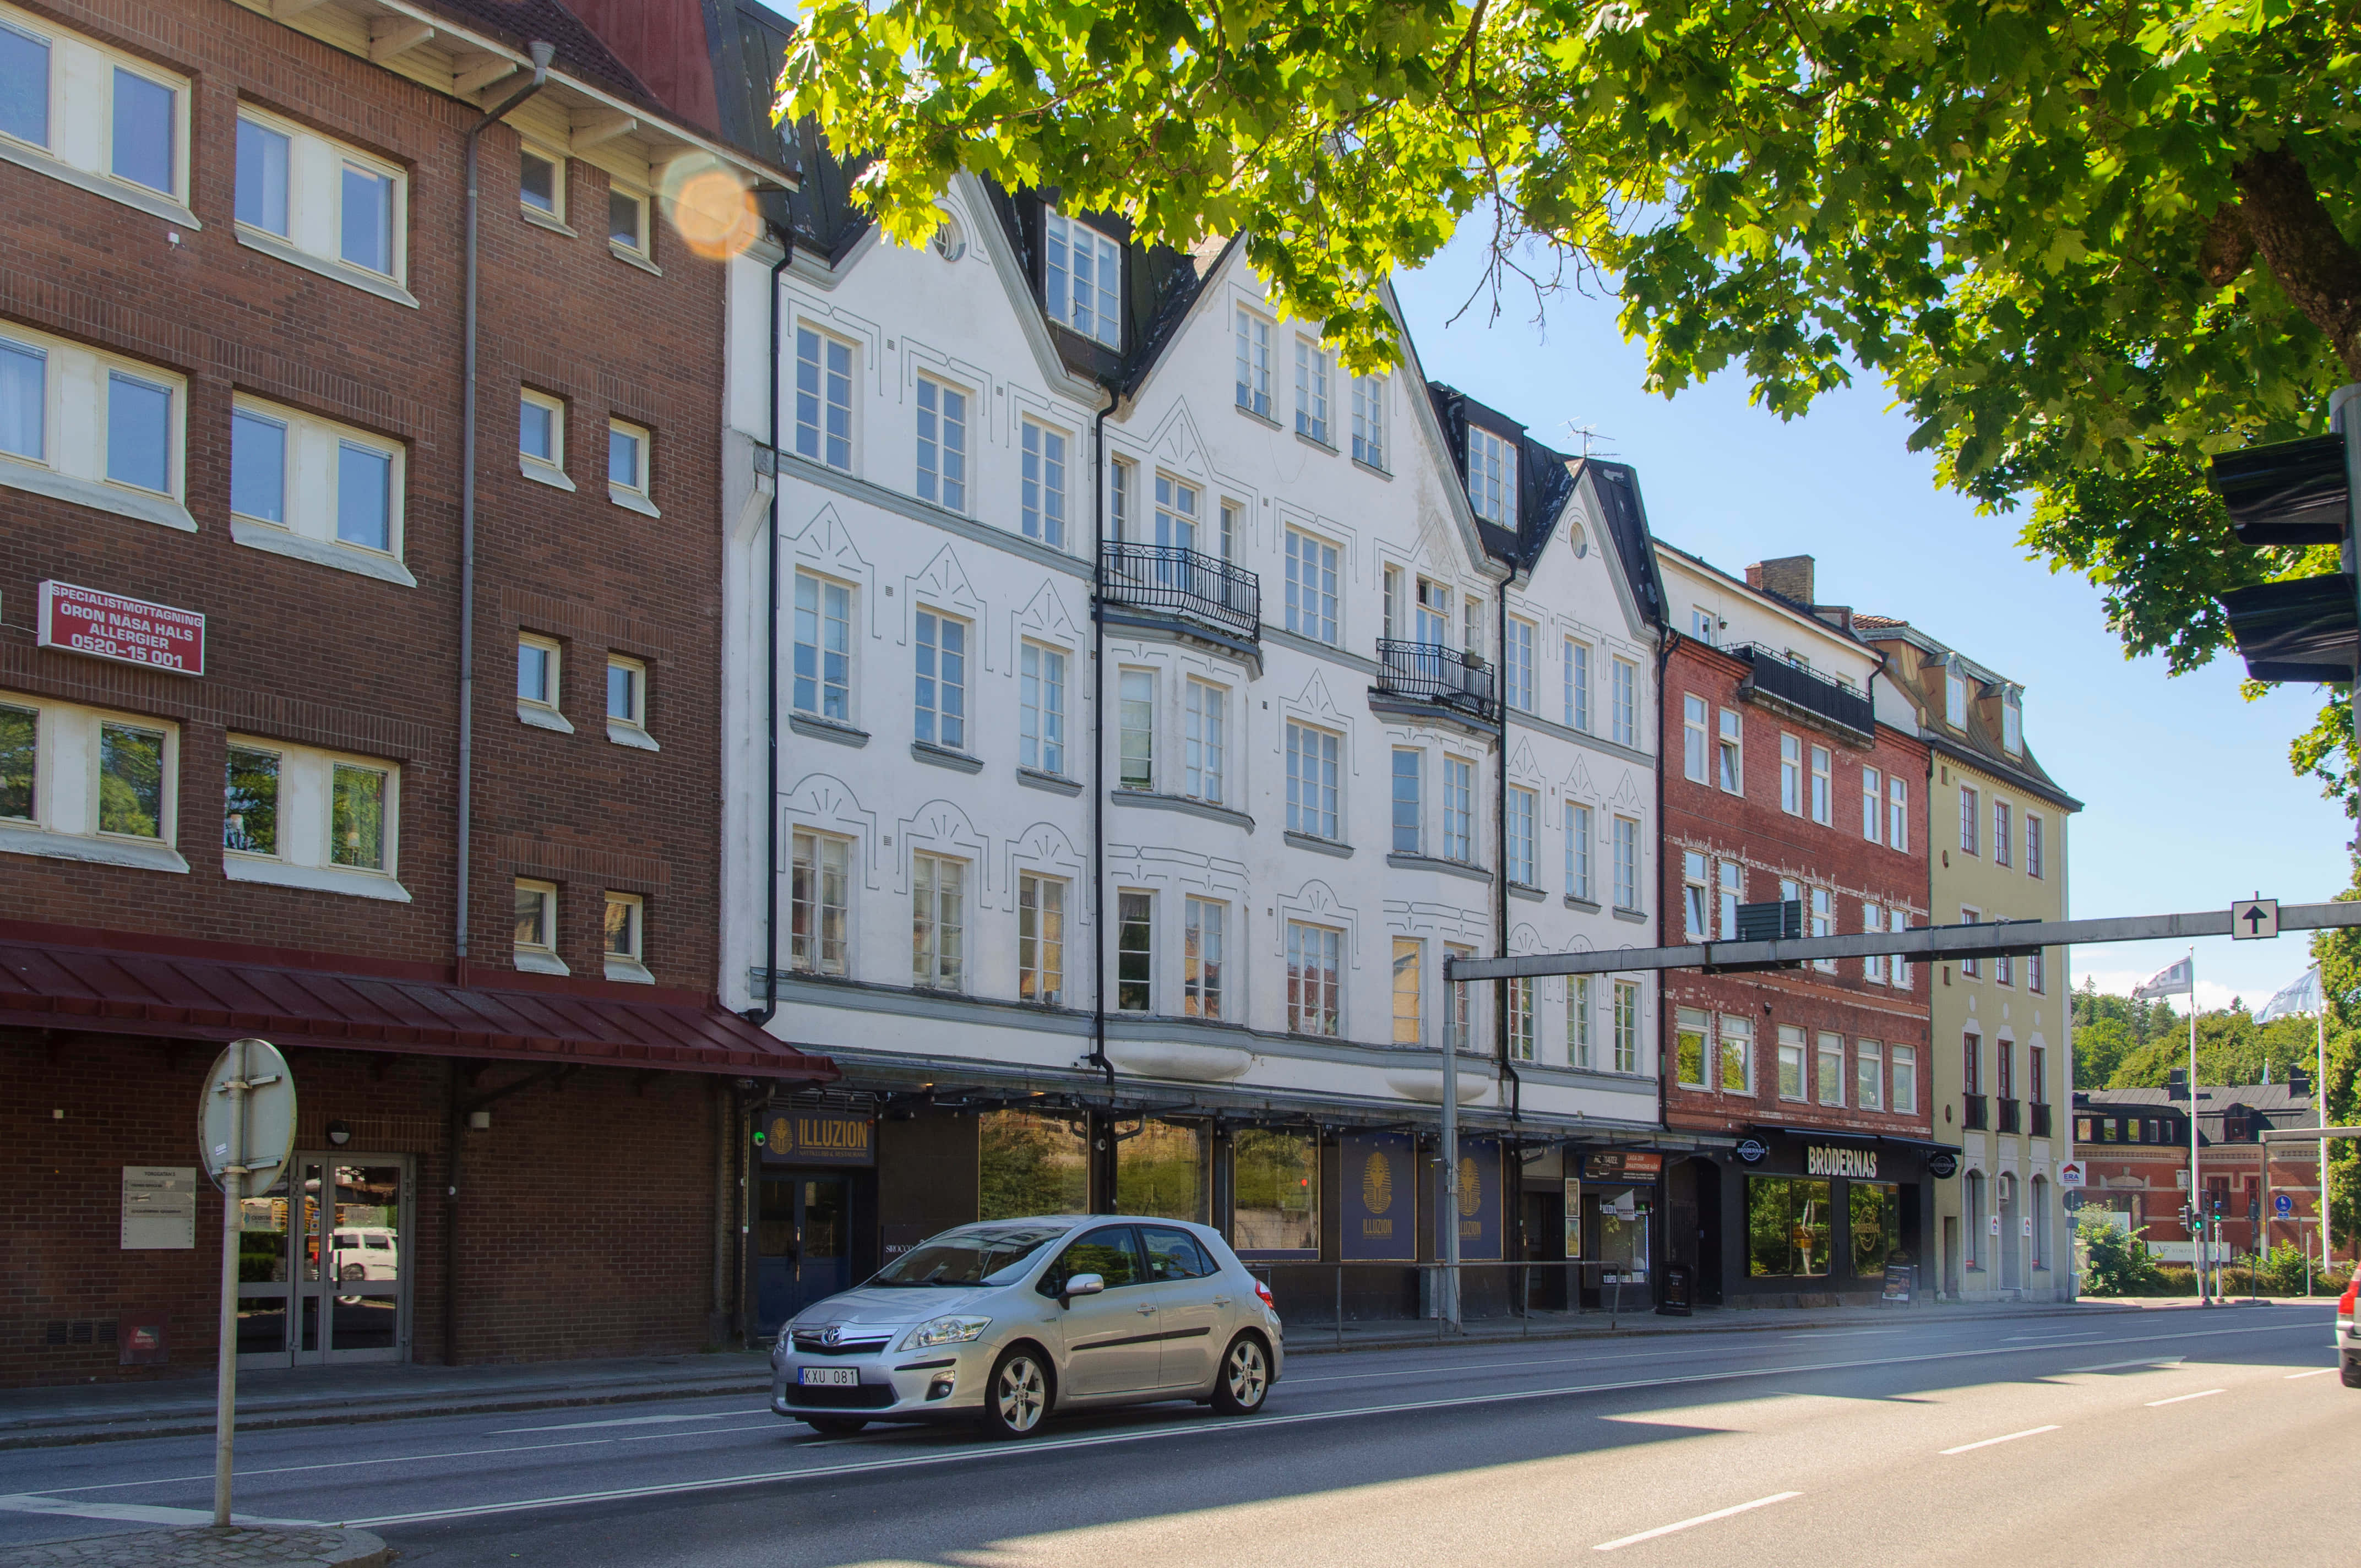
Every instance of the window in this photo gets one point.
(1955, 698)
(1898, 813)
(1041, 707)
(1627, 1025)
(1732, 752)
(1872, 966)
(2004, 969)
(1822, 795)
(1868, 1076)
(2036, 1075)
(1369, 420)
(1577, 686)
(1824, 923)
(823, 652)
(1903, 1061)
(1229, 512)
(46, 779)
(146, 132)
(1392, 579)
(943, 443)
(1311, 769)
(1693, 739)
(1492, 477)
(1254, 363)
(538, 683)
(535, 941)
(1791, 1062)
(1312, 368)
(1043, 498)
(2012, 722)
(262, 175)
(297, 817)
(1832, 1074)
(1458, 815)
(1432, 621)
(1578, 1020)
(369, 235)
(1690, 1027)
(24, 398)
(1523, 806)
(2032, 845)
(819, 899)
(2035, 979)
(541, 184)
(1791, 776)
(90, 428)
(1695, 894)
(1577, 853)
(2002, 837)
(624, 930)
(2005, 1058)
(1898, 920)
(1409, 792)
(1314, 979)
(630, 481)
(1122, 485)
(1136, 729)
(1733, 893)
(1176, 525)
(1971, 1064)
(1625, 727)
(823, 399)
(627, 221)
(541, 436)
(1205, 720)
(941, 684)
(1516, 660)
(1084, 279)
(328, 493)
(1135, 950)
(24, 86)
(249, 793)
(627, 693)
(1458, 1003)
(1409, 1005)
(92, 118)
(1311, 586)
(1627, 863)
(1203, 952)
(1791, 1227)
(938, 922)
(1872, 810)
(1972, 967)
(1737, 1054)
(140, 427)
(1521, 1018)
(1040, 939)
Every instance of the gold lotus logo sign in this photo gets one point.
(1471, 1190)
(1376, 1193)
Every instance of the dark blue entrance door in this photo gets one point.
(803, 1249)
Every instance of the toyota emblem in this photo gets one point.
(830, 1334)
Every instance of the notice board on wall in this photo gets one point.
(159, 1208)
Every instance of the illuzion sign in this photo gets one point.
(127, 630)
(1379, 1218)
(819, 1137)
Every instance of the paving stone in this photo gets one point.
(201, 1546)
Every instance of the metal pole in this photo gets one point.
(226, 1354)
(1446, 1223)
(2320, 1087)
(2196, 1183)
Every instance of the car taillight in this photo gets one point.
(1264, 1292)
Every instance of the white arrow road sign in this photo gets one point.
(2253, 919)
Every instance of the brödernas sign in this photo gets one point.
(1822, 1161)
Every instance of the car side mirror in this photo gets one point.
(1081, 1285)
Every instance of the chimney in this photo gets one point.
(1788, 576)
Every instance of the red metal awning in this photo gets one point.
(182, 991)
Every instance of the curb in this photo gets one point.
(201, 1546)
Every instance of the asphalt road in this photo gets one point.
(2160, 1437)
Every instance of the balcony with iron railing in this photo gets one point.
(2008, 1115)
(1974, 1115)
(1444, 677)
(1775, 679)
(2040, 1119)
(1165, 580)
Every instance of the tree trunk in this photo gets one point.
(2320, 271)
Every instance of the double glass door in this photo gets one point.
(803, 1244)
(324, 1264)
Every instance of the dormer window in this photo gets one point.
(1084, 279)
(2012, 723)
(1955, 698)
(1492, 477)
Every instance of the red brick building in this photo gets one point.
(2133, 1145)
(478, 914)
(1786, 796)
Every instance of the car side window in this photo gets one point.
(1174, 1255)
(1111, 1254)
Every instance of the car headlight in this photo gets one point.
(943, 1331)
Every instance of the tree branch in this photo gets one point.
(2303, 247)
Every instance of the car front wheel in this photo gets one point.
(1017, 1400)
(1244, 1382)
(2352, 1377)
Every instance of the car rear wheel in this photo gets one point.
(2351, 1375)
(1245, 1380)
(835, 1426)
(1017, 1399)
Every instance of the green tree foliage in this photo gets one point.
(2338, 953)
(2232, 1050)
(2117, 1263)
(2085, 245)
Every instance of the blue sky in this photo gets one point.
(2187, 799)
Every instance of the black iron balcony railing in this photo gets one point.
(1972, 1113)
(1166, 577)
(1776, 678)
(2041, 1120)
(1427, 672)
(2008, 1115)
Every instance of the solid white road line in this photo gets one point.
(2315, 1371)
(2177, 1398)
(130, 1513)
(625, 1421)
(1691, 1524)
(2053, 1341)
(344, 1464)
(2030, 1432)
(2159, 1362)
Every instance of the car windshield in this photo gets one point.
(979, 1255)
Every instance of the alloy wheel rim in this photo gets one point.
(1246, 1374)
(1020, 1394)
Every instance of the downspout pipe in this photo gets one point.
(1669, 640)
(1098, 1057)
(542, 53)
(761, 1016)
(1500, 829)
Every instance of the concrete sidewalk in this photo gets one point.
(327, 1395)
(201, 1546)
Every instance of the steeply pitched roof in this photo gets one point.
(580, 53)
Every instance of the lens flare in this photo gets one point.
(712, 210)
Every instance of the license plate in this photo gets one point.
(829, 1376)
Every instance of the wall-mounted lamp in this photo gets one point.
(339, 1133)
(480, 1120)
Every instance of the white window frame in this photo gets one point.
(635, 491)
(1521, 1024)
(938, 907)
(1791, 774)
(550, 469)
(1697, 741)
(538, 954)
(1041, 939)
(1627, 863)
(74, 464)
(1316, 980)
(940, 459)
(629, 728)
(1872, 804)
(1406, 801)
(2012, 723)
(1369, 394)
(1868, 1076)
(1733, 1040)
(554, 214)
(815, 400)
(1628, 1010)
(1730, 752)
(1314, 787)
(1253, 337)
(1730, 890)
(1459, 809)
(80, 120)
(66, 804)
(628, 963)
(1098, 317)
(314, 239)
(310, 526)
(1795, 1064)
(1135, 912)
(546, 711)
(1692, 1023)
(1829, 1048)
(1312, 571)
(815, 858)
(1409, 963)
(1955, 698)
(1899, 920)
(1136, 729)
(1044, 671)
(1204, 719)
(2034, 845)
(1696, 895)
(1577, 684)
(1873, 921)
(1204, 958)
(1971, 819)
(1044, 469)
(1898, 813)
(2004, 831)
(825, 694)
(1579, 882)
(639, 248)
(1517, 665)
(1314, 377)
(1523, 808)
(1492, 475)
(1623, 717)
(1579, 1041)
(941, 675)
(1902, 1081)
(1823, 797)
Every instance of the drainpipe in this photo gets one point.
(760, 1016)
(542, 54)
(1501, 828)
(1098, 1057)
(1670, 641)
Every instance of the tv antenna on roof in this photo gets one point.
(1587, 434)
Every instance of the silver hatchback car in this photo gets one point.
(1009, 1320)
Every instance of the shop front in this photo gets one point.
(1613, 1208)
(815, 1230)
(1821, 1218)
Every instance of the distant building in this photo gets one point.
(2134, 1143)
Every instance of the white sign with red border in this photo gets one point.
(2071, 1174)
(127, 630)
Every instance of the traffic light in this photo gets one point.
(2295, 494)
(2188, 1219)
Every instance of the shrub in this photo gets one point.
(2118, 1262)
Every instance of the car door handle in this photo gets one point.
(1221, 1300)
(1145, 1311)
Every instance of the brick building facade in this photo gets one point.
(2134, 1144)
(232, 375)
(1783, 786)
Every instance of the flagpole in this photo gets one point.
(2320, 1087)
(2196, 1181)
